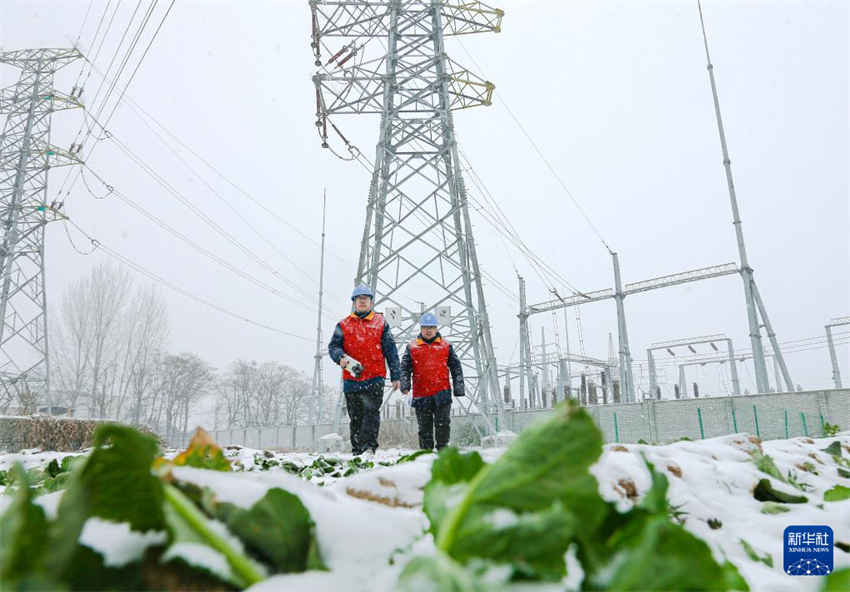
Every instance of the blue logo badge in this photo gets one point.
(808, 550)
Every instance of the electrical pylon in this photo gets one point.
(26, 156)
(417, 237)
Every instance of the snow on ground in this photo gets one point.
(713, 480)
(371, 523)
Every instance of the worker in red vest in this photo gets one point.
(429, 360)
(363, 345)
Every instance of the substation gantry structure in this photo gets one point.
(757, 317)
(387, 57)
(618, 294)
(669, 346)
(538, 397)
(26, 157)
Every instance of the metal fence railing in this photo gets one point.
(769, 416)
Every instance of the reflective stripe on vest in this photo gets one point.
(362, 341)
(430, 367)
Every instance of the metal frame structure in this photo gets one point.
(689, 342)
(754, 304)
(418, 234)
(836, 371)
(26, 156)
(683, 386)
(619, 294)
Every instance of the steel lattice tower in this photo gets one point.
(26, 156)
(418, 251)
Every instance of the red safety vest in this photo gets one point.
(362, 341)
(430, 367)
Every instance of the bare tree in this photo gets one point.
(108, 291)
(268, 394)
(183, 379)
(71, 345)
(144, 332)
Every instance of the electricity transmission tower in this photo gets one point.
(417, 239)
(26, 156)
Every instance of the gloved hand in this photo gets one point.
(408, 399)
(353, 366)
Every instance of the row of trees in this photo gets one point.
(110, 359)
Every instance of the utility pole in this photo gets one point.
(318, 383)
(417, 234)
(26, 156)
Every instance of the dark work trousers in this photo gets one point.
(364, 411)
(434, 419)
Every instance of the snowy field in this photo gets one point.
(370, 524)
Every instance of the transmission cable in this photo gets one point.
(115, 255)
(177, 234)
(541, 155)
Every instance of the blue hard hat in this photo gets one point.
(428, 320)
(362, 290)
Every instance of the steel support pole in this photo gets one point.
(836, 372)
(524, 363)
(777, 375)
(683, 387)
(569, 366)
(653, 378)
(771, 334)
(626, 380)
(545, 368)
(318, 386)
(736, 384)
(746, 271)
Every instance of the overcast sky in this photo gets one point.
(614, 94)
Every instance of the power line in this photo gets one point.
(540, 154)
(179, 235)
(199, 213)
(238, 214)
(83, 26)
(820, 341)
(114, 254)
(369, 167)
(137, 35)
(507, 227)
(136, 108)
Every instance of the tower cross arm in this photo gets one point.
(12, 101)
(350, 92)
(371, 19)
(26, 58)
(471, 17)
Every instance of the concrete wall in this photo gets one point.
(769, 416)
